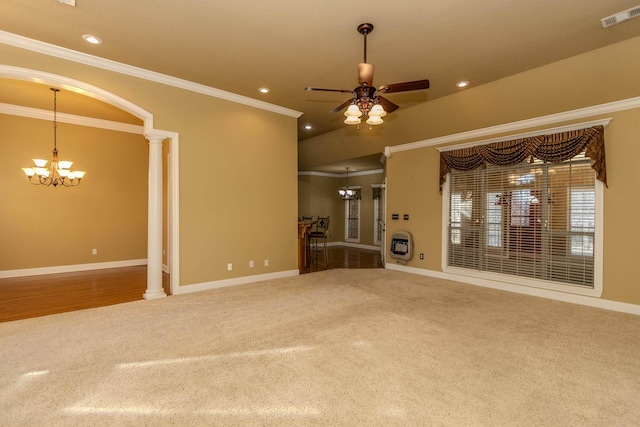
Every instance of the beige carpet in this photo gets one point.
(339, 347)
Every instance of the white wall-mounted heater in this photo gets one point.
(402, 246)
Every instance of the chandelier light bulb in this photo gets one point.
(345, 192)
(64, 164)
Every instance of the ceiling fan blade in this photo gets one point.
(387, 105)
(342, 106)
(403, 87)
(365, 73)
(329, 90)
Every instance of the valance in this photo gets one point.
(548, 148)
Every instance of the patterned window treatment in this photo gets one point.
(548, 148)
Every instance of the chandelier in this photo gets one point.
(59, 171)
(345, 192)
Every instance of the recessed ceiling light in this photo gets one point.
(92, 39)
(307, 127)
(264, 90)
(462, 84)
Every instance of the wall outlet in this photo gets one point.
(421, 255)
(250, 264)
(266, 263)
(94, 251)
(229, 267)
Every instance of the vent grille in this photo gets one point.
(620, 17)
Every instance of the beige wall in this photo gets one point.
(594, 78)
(238, 172)
(46, 226)
(318, 196)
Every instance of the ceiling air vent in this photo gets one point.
(620, 17)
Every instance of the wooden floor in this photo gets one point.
(34, 296)
(346, 257)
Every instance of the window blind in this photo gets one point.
(353, 219)
(534, 220)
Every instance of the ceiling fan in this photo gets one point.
(366, 98)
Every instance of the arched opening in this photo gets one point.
(162, 230)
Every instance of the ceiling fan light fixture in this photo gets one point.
(353, 111)
(366, 99)
(374, 120)
(377, 111)
(352, 120)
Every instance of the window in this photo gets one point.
(531, 220)
(378, 213)
(494, 220)
(521, 208)
(455, 219)
(582, 217)
(352, 219)
(460, 213)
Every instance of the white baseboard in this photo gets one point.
(526, 290)
(186, 289)
(71, 268)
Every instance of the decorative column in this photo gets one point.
(154, 233)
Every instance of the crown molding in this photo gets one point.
(36, 113)
(340, 175)
(581, 113)
(141, 73)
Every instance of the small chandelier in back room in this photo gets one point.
(345, 192)
(58, 172)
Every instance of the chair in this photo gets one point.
(307, 246)
(321, 234)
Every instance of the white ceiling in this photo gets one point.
(287, 45)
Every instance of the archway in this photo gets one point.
(155, 137)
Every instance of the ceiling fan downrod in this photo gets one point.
(365, 29)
